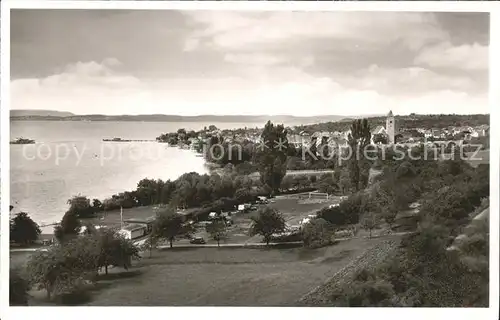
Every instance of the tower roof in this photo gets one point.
(390, 114)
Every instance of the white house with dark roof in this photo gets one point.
(379, 130)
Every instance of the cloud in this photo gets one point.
(254, 59)
(91, 87)
(466, 56)
(407, 81)
(191, 44)
(300, 63)
(239, 31)
(88, 75)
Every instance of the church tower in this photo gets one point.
(390, 127)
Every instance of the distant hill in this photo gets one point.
(424, 121)
(19, 115)
(39, 113)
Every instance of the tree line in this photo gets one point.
(448, 190)
(409, 122)
(67, 267)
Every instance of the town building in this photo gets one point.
(391, 128)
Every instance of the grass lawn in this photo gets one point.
(292, 209)
(19, 259)
(112, 218)
(223, 277)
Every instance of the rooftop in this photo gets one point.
(140, 220)
(132, 227)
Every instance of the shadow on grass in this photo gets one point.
(180, 249)
(340, 256)
(119, 275)
(81, 295)
(85, 294)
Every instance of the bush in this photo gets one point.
(317, 233)
(367, 290)
(267, 222)
(18, 289)
(76, 297)
(450, 205)
(346, 213)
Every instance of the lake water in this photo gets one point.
(70, 158)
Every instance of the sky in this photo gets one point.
(249, 63)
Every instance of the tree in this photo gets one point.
(346, 213)
(243, 195)
(62, 268)
(147, 191)
(68, 228)
(167, 225)
(81, 256)
(344, 181)
(23, 229)
(150, 244)
(81, 207)
(287, 182)
(358, 139)
(449, 206)
(267, 222)
(432, 276)
(324, 150)
(18, 289)
(100, 249)
(369, 222)
(48, 271)
(115, 250)
(327, 184)
(123, 251)
(272, 158)
(380, 138)
(389, 217)
(97, 205)
(90, 229)
(317, 233)
(217, 230)
(398, 137)
(372, 292)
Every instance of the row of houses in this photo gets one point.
(468, 132)
(407, 136)
(340, 138)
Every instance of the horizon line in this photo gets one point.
(237, 115)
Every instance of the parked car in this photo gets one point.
(197, 240)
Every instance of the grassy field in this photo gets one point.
(224, 277)
(19, 259)
(292, 209)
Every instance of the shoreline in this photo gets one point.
(216, 168)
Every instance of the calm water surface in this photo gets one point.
(70, 158)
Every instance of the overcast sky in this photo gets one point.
(212, 62)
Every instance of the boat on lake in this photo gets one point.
(22, 141)
(116, 140)
(126, 140)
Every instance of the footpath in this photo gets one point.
(228, 245)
